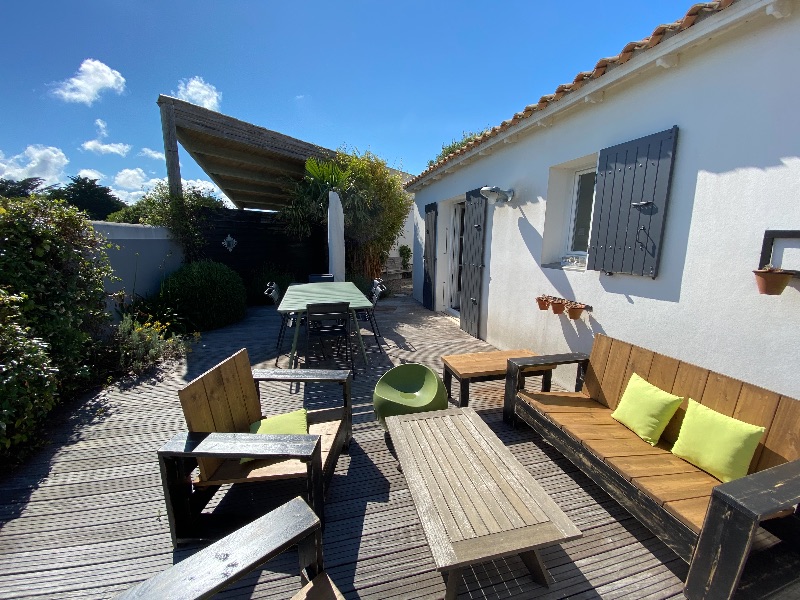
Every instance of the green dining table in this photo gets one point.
(297, 297)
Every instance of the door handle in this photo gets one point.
(473, 300)
(643, 203)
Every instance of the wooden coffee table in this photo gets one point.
(475, 500)
(486, 366)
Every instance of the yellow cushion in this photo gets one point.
(718, 444)
(294, 422)
(646, 409)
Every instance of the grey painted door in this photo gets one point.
(429, 256)
(472, 271)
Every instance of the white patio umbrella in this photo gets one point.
(335, 237)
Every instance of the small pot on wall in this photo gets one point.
(543, 302)
(558, 306)
(772, 282)
(575, 309)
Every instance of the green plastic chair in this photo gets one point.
(408, 388)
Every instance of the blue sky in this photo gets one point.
(398, 79)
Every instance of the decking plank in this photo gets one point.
(81, 518)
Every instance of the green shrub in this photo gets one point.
(405, 256)
(27, 380)
(143, 345)
(256, 283)
(207, 294)
(50, 254)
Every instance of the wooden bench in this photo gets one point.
(668, 495)
(222, 563)
(226, 399)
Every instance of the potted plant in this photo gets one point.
(558, 305)
(543, 302)
(771, 280)
(574, 309)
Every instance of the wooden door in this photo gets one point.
(472, 271)
(429, 257)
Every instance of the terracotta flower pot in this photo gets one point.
(543, 303)
(558, 307)
(574, 312)
(772, 283)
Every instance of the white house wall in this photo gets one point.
(736, 174)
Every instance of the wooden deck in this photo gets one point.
(85, 517)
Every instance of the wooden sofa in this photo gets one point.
(667, 494)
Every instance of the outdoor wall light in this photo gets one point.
(494, 194)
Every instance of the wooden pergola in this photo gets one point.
(250, 164)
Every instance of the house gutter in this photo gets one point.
(664, 55)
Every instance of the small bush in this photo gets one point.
(207, 294)
(143, 345)
(405, 256)
(27, 380)
(257, 280)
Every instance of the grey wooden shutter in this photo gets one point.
(429, 256)
(631, 193)
(472, 271)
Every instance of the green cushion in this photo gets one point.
(718, 444)
(646, 409)
(293, 422)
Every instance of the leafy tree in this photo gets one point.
(97, 200)
(20, 189)
(182, 214)
(448, 149)
(374, 204)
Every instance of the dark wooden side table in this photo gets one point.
(487, 366)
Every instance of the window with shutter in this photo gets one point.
(630, 202)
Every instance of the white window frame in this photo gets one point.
(573, 258)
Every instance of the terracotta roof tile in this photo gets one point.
(601, 67)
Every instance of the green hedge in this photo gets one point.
(27, 379)
(207, 294)
(50, 254)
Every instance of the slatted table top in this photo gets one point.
(297, 297)
(475, 500)
(483, 364)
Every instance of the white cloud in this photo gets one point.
(300, 97)
(91, 174)
(131, 179)
(98, 147)
(126, 196)
(154, 154)
(197, 91)
(93, 77)
(102, 128)
(47, 162)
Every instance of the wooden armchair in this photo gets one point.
(219, 407)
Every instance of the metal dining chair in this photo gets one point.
(288, 320)
(330, 320)
(367, 315)
(319, 278)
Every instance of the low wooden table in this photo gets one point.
(486, 366)
(475, 500)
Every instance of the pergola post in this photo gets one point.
(170, 146)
